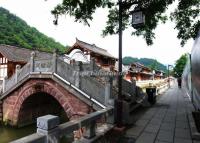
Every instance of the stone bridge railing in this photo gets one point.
(49, 130)
(72, 73)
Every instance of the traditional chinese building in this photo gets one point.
(82, 51)
(159, 74)
(11, 56)
(141, 72)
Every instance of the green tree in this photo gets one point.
(179, 66)
(154, 65)
(186, 15)
(14, 31)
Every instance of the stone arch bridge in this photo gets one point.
(52, 86)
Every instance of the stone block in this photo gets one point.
(182, 125)
(165, 136)
(141, 122)
(180, 140)
(167, 127)
(134, 131)
(146, 137)
(182, 133)
(152, 128)
(47, 122)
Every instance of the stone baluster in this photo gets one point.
(32, 61)
(4, 84)
(92, 63)
(48, 126)
(78, 74)
(108, 92)
(55, 60)
(1, 111)
(90, 130)
(17, 72)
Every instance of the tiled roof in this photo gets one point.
(137, 64)
(91, 47)
(16, 54)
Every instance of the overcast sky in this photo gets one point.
(36, 13)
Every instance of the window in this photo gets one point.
(3, 67)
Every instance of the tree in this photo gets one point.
(16, 32)
(179, 66)
(186, 16)
(154, 65)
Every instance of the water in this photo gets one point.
(8, 134)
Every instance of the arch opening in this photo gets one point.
(40, 104)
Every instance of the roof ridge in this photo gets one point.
(93, 45)
(25, 48)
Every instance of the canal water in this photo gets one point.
(8, 134)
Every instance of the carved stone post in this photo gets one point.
(108, 92)
(32, 61)
(16, 72)
(78, 74)
(54, 63)
(4, 84)
(92, 63)
(1, 111)
(90, 130)
(48, 126)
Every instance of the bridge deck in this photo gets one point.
(167, 121)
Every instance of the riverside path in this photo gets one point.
(166, 122)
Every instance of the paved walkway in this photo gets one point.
(165, 122)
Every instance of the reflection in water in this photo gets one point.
(45, 104)
(8, 134)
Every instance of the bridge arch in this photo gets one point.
(72, 106)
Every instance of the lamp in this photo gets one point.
(138, 17)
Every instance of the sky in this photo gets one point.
(37, 13)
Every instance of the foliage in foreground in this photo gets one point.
(186, 15)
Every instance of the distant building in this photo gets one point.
(82, 51)
(10, 56)
(159, 74)
(140, 72)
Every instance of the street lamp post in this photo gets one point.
(138, 20)
(119, 101)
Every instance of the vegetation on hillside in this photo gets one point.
(151, 63)
(14, 31)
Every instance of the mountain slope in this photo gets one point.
(151, 63)
(14, 31)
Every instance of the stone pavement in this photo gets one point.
(165, 122)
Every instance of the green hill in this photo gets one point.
(151, 63)
(15, 31)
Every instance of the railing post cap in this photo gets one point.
(33, 54)
(6, 77)
(55, 50)
(18, 67)
(78, 63)
(47, 122)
